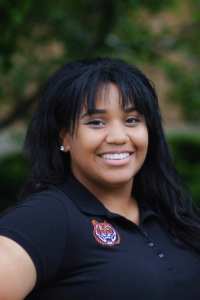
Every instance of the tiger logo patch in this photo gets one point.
(105, 234)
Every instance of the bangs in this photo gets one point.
(81, 86)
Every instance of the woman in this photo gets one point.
(103, 215)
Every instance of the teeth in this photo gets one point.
(115, 156)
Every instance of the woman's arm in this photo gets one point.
(17, 271)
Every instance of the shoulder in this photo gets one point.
(39, 224)
(50, 199)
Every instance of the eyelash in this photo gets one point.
(94, 122)
(133, 119)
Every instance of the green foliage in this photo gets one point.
(13, 16)
(84, 28)
(186, 89)
(185, 149)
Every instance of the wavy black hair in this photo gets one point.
(77, 84)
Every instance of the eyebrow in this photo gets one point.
(103, 111)
(130, 109)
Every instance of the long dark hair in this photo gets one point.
(77, 84)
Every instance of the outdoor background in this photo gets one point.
(161, 37)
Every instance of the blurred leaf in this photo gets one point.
(186, 91)
(185, 149)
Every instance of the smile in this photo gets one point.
(115, 156)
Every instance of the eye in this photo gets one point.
(95, 123)
(132, 120)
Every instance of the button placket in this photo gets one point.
(151, 244)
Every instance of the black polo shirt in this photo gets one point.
(82, 251)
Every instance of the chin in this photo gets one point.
(118, 180)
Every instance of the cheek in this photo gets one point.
(141, 139)
(83, 145)
(145, 139)
(89, 141)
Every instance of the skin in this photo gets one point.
(110, 129)
(17, 272)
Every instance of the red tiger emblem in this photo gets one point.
(105, 234)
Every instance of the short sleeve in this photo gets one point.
(39, 224)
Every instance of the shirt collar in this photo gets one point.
(145, 211)
(89, 204)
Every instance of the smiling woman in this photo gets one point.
(102, 214)
(108, 146)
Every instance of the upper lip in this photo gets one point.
(117, 151)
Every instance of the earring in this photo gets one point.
(62, 148)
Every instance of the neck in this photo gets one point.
(117, 199)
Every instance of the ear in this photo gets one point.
(64, 137)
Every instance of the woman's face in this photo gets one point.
(109, 147)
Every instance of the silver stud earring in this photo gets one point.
(62, 148)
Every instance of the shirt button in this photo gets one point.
(151, 244)
(161, 255)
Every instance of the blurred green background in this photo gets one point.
(160, 37)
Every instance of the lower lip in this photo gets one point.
(117, 162)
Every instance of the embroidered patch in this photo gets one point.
(105, 234)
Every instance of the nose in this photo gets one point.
(117, 135)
